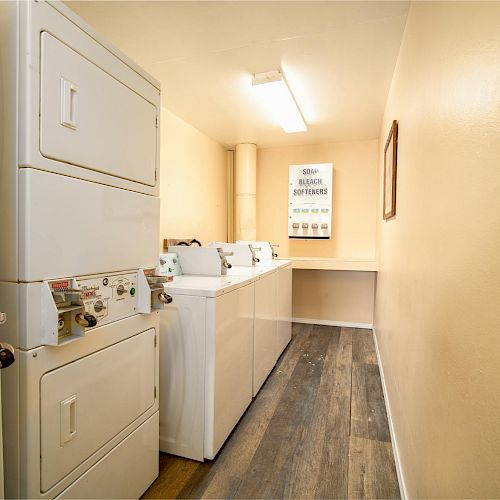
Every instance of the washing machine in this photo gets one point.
(80, 404)
(206, 362)
(283, 298)
(273, 301)
(264, 250)
(80, 219)
(265, 320)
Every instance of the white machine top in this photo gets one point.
(206, 286)
(275, 264)
(253, 271)
(259, 269)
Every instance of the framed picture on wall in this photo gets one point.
(390, 165)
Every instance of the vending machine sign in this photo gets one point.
(310, 201)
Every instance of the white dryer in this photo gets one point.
(80, 149)
(80, 217)
(206, 356)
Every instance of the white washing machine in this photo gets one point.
(206, 357)
(80, 402)
(264, 250)
(283, 300)
(265, 320)
(80, 218)
(284, 332)
(273, 301)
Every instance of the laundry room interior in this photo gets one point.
(250, 249)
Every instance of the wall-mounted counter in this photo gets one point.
(330, 264)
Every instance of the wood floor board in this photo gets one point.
(175, 473)
(346, 335)
(199, 481)
(311, 432)
(236, 455)
(363, 346)
(271, 471)
(320, 464)
(368, 413)
(372, 473)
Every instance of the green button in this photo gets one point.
(132, 291)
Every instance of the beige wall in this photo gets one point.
(339, 296)
(438, 290)
(331, 296)
(354, 198)
(193, 182)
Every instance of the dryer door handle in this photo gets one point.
(68, 419)
(68, 104)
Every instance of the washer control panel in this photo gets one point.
(109, 297)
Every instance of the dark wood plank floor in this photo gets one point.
(317, 429)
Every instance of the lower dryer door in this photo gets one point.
(86, 403)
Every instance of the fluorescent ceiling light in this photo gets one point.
(274, 94)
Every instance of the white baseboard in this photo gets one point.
(394, 441)
(327, 322)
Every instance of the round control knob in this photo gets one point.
(86, 320)
(99, 306)
(165, 298)
(6, 355)
(120, 290)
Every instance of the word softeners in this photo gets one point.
(310, 191)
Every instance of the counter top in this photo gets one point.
(330, 264)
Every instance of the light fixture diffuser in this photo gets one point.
(274, 94)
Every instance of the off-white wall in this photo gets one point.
(193, 183)
(354, 198)
(438, 289)
(324, 295)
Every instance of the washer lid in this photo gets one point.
(257, 272)
(206, 286)
(275, 264)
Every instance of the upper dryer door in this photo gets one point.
(89, 119)
(85, 110)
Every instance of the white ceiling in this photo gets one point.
(338, 58)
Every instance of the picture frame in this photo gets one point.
(390, 170)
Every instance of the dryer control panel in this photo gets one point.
(71, 306)
(109, 297)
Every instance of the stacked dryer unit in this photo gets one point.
(80, 222)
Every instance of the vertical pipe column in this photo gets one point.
(230, 197)
(245, 192)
